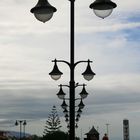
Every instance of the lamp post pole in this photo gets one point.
(24, 124)
(72, 80)
(20, 124)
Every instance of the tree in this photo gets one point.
(56, 135)
(53, 122)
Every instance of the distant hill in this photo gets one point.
(14, 134)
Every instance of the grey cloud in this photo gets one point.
(108, 101)
(115, 96)
(26, 103)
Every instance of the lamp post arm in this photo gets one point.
(67, 99)
(63, 61)
(77, 85)
(64, 85)
(77, 99)
(88, 61)
(74, 99)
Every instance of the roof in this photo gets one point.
(92, 131)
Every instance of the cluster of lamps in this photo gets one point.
(43, 11)
(88, 74)
(20, 123)
(78, 109)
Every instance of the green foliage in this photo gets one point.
(53, 122)
(56, 135)
(34, 137)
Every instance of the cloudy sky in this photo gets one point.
(28, 46)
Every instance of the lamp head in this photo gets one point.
(66, 116)
(77, 119)
(78, 115)
(65, 111)
(79, 111)
(64, 105)
(81, 105)
(55, 73)
(67, 120)
(83, 93)
(88, 74)
(68, 126)
(16, 123)
(24, 123)
(61, 94)
(76, 125)
(43, 11)
(103, 8)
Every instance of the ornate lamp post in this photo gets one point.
(20, 123)
(44, 11)
(78, 108)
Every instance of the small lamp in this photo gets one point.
(83, 93)
(103, 8)
(81, 105)
(43, 11)
(24, 123)
(64, 105)
(16, 123)
(79, 111)
(88, 74)
(61, 94)
(65, 111)
(55, 73)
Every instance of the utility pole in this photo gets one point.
(107, 129)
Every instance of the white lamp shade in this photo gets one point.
(102, 13)
(88, 77)
(43, 17)
(55, 77)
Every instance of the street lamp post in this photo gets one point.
(24, 124)
(43, 11)
(107, 129)
(20, 123)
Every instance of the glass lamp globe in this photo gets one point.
(103, 13)
(44, 17)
